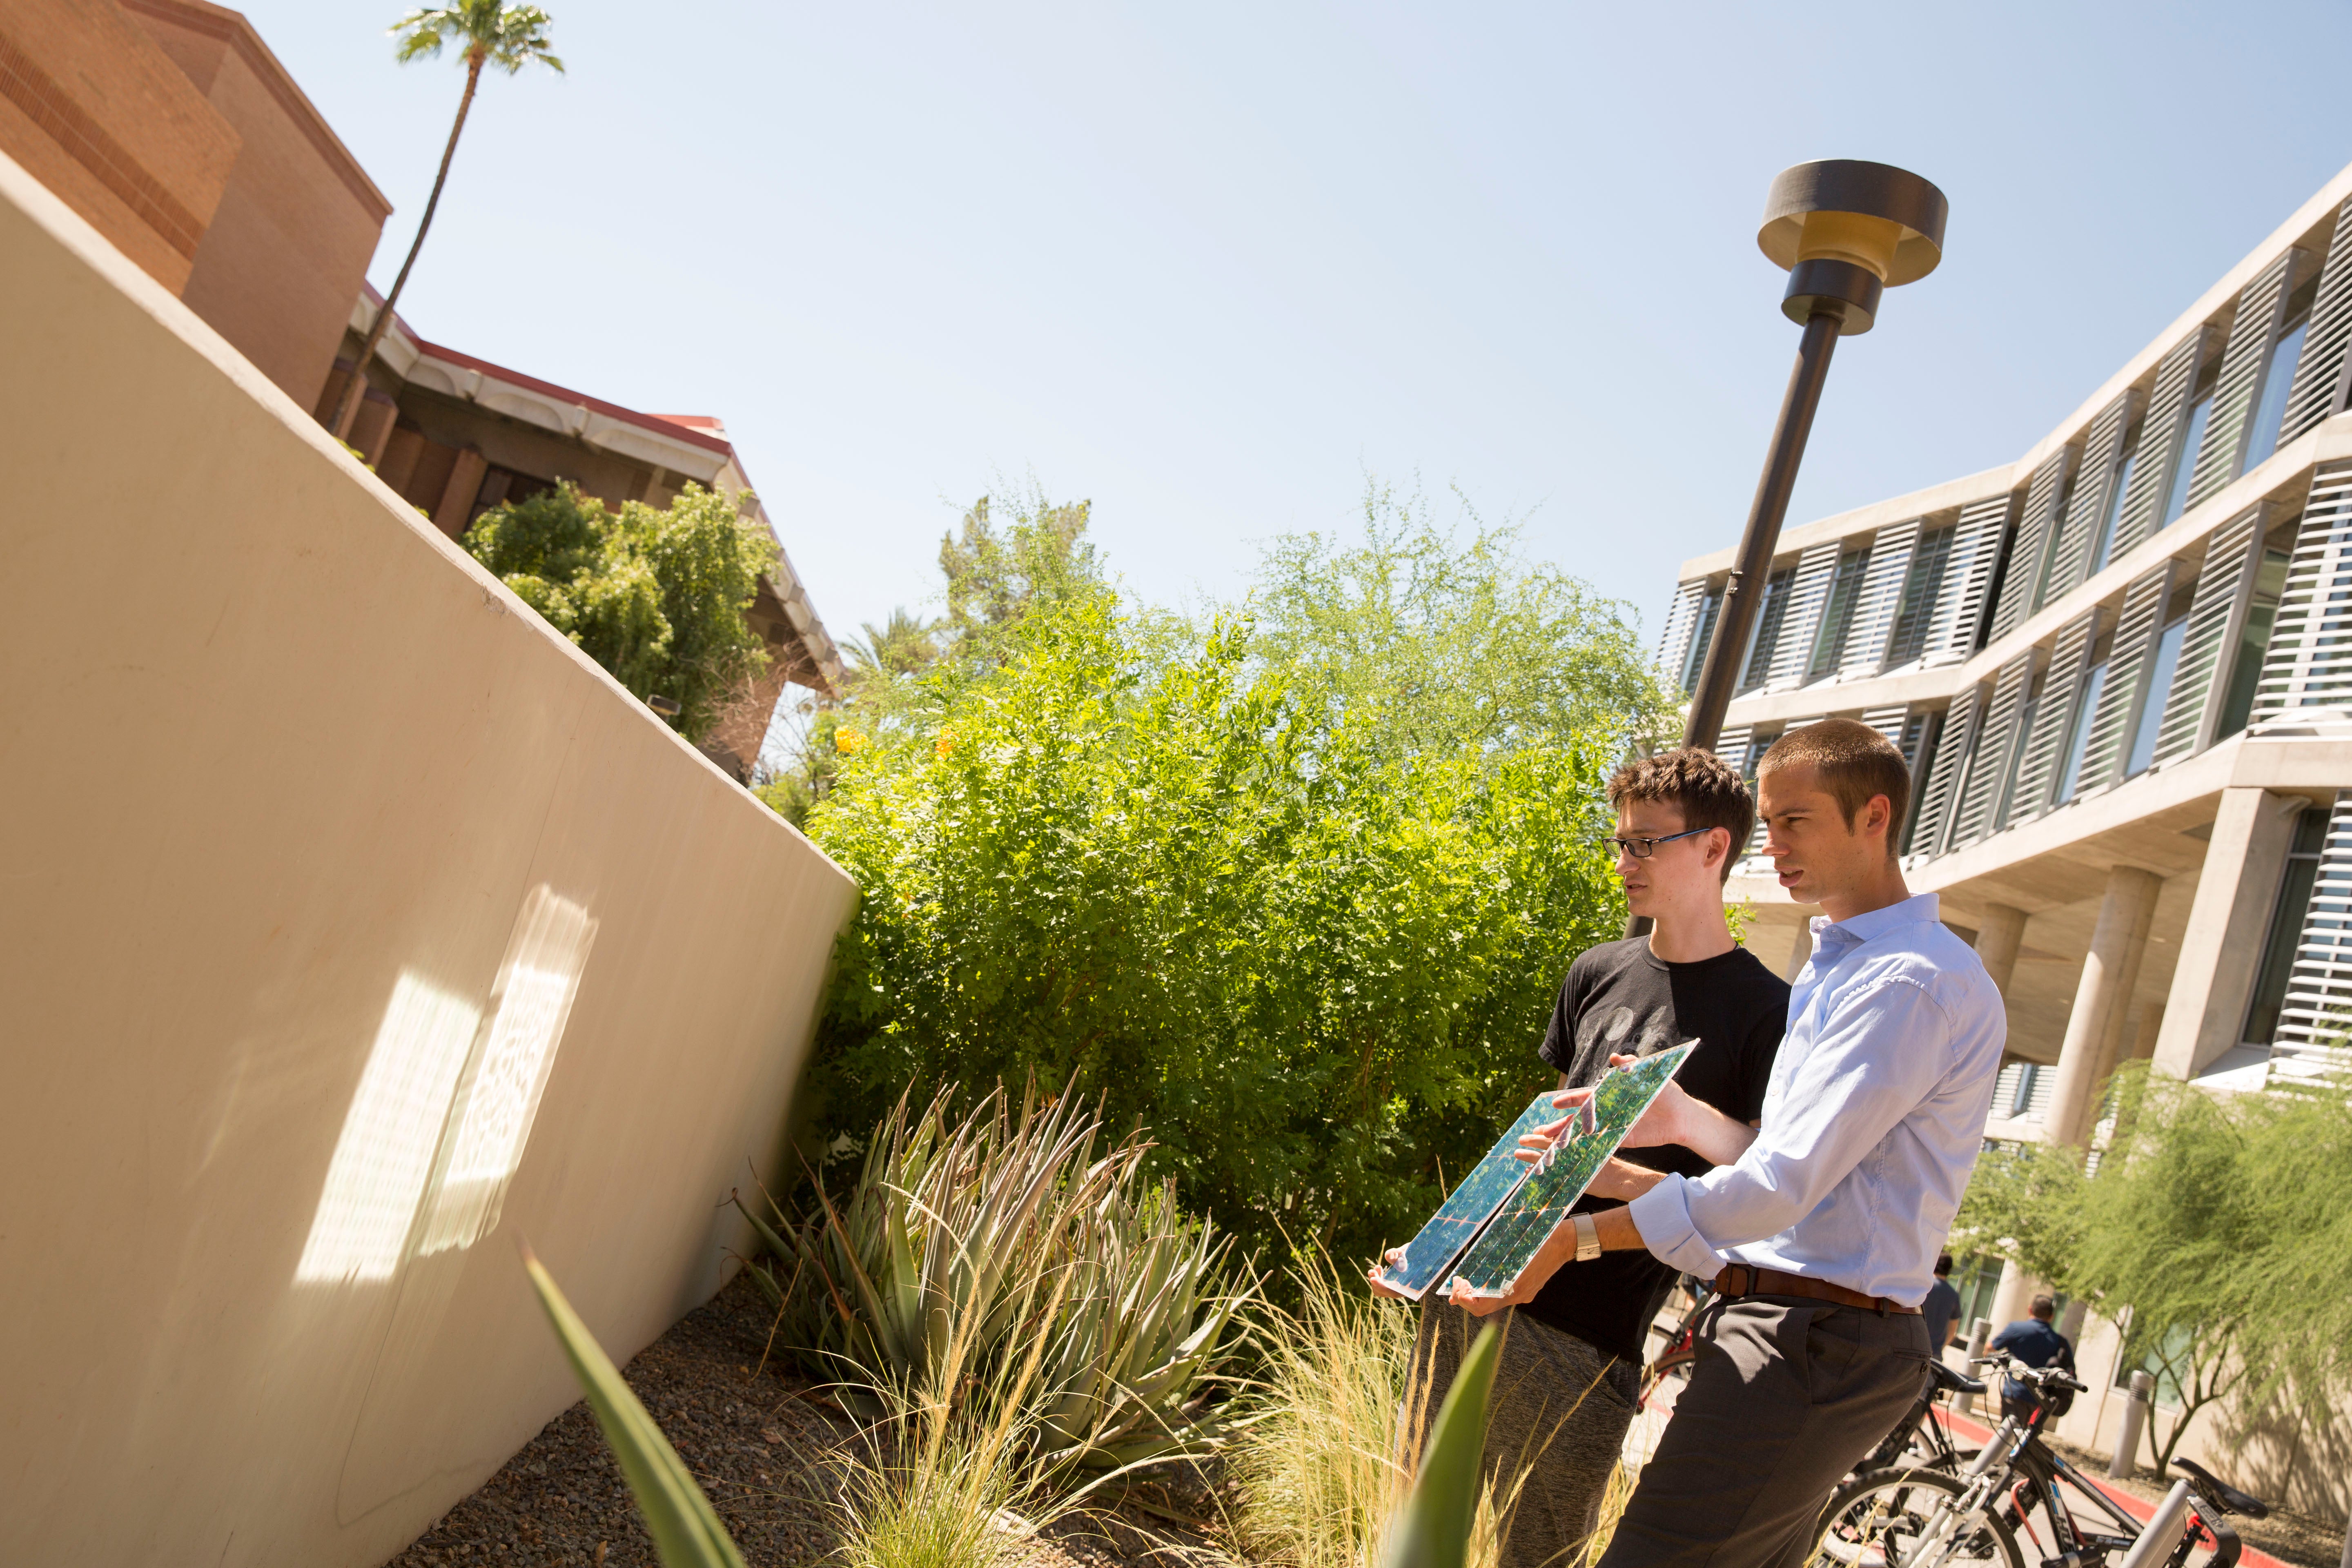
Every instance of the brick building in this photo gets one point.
(171, 128)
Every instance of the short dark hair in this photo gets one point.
(1943, 1263)
(1710, 791)
(2044, 1305)
(1855, 761)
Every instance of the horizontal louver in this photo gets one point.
(2029, 556)
(1968, 581)
(2216, 616)
(1809, 597)
(1732, 746)
(2310, 1042)
(2159, 442)
(2307, 673)
(1930, 837)
(2316, 390)
(2239, 391)
(1882, 594)
(1888, 721)
(1996, 751)
(2124, 691)
(2086, 507)
(2054, 714)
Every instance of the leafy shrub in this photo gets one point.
(1314, 962)
(658, 598)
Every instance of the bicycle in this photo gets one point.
(1918, 1518)
(1921, 1441)
(1680, 1354)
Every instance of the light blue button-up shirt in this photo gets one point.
(1872, 1116)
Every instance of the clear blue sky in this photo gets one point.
(1211, 265)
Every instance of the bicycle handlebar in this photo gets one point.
(2033, 1377)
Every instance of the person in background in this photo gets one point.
(1571, 1371)
(2036, 1342)
(1942, 1305)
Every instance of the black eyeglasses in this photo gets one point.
(1642, 849)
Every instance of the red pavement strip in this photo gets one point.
(1962, 1427)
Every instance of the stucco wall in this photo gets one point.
(310, 831)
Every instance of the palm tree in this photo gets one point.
(907, 646)
(488, 34)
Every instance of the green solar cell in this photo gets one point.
(1536, 1206)
(1456, 1222)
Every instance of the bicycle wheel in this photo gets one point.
(1887, 1518)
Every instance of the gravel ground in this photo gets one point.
(763, 1447)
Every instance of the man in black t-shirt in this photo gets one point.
(1565, 1393)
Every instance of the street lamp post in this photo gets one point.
(1847, 230)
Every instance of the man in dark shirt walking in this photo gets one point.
(2036, 1342)
(1565, 1393)
(1942, 1305)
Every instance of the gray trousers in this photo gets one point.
(1785, 1396)
(1559, 1408)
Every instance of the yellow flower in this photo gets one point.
(849, 742)
(943, 745)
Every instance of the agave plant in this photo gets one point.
(997, 1233)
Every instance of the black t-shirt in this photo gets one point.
(1621, 999)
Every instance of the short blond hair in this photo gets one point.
(1855, 763)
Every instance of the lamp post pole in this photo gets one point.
(1847, 230)
(1720, 673)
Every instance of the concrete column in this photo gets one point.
(1998, 939)
(457, 508)
(2109, 970)
(2205, 1012)
(2010, 1296)
(2151, 1028)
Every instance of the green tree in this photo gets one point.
(487, 33)
(2218, 1227)
(1451, 643)
(658, 598)
(1314, 969)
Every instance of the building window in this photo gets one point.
(1768, 616)
(2078, 732)
(1922, 586)
(2192, 438)
(2286, 926)
(2159, 688)
(1838, 617)
(2114, 512)
(2275, 383)
(2246, 669)
(1695, 659)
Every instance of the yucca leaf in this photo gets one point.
(768, 1237)
(686, 1530)
(1432, 1529)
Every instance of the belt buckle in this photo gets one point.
(1747, 1279)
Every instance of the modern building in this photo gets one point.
(2120, 670)
(170, 126)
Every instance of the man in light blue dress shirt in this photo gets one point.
(1821, 1225)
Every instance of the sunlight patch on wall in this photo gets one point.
(443, 1110)
(384, 1155)
(500, 1096)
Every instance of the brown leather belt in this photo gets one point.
(1747, 1279)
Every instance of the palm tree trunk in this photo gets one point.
(347, 407)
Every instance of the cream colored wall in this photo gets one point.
(276, 755)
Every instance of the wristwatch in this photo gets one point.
(1588, 1237)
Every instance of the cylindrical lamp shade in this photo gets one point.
(1847, 229)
